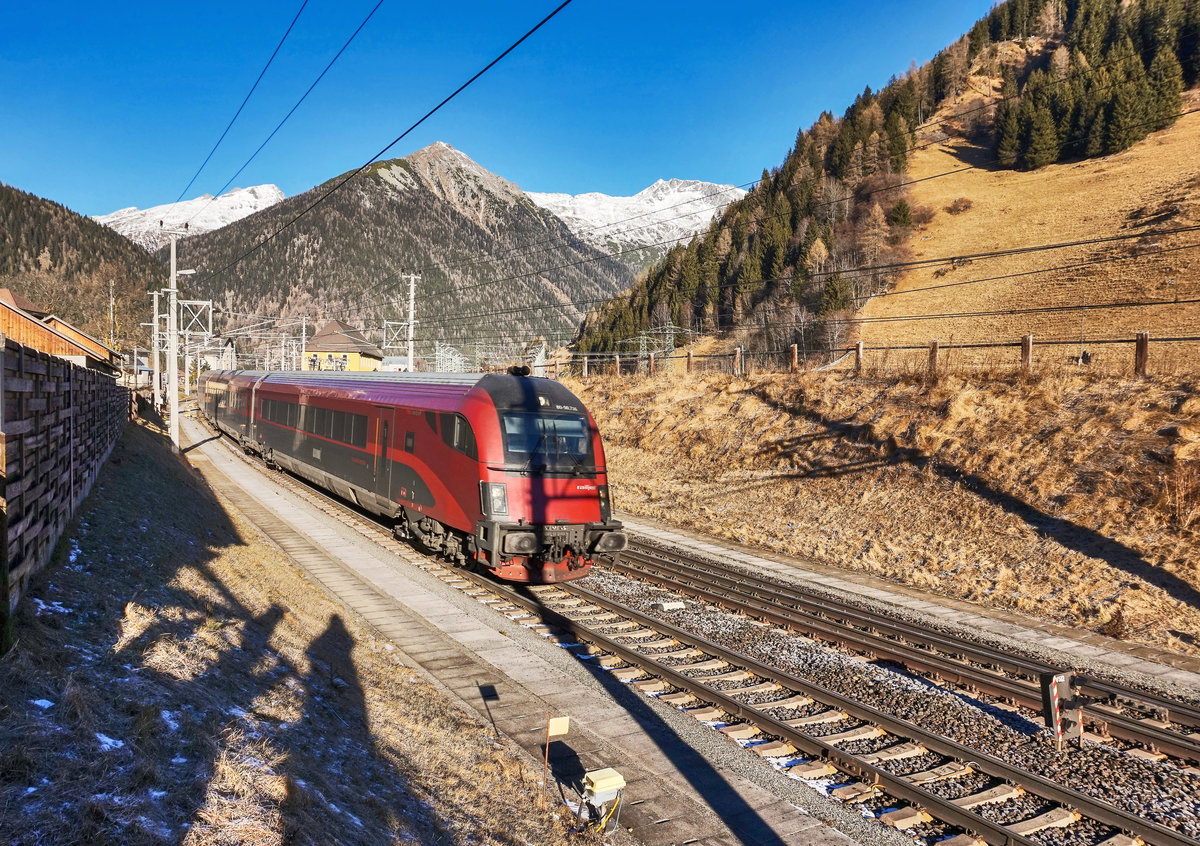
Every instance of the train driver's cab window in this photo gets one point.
(561, 442)
(456, 432)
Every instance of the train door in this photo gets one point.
(383, 461)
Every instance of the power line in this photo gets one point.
(288, 224)
(244, 102)
(292, 111)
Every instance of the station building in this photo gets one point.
(339, 346)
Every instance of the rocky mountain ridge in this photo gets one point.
(495, 267)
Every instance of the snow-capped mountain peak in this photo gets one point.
(202, 214)
(643, 227)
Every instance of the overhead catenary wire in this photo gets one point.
(341, 182)
(292, 111)
(245, 100)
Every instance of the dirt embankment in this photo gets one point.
(1069, 497)
(178, 680)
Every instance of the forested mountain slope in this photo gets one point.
(833, 225)
(64, 262)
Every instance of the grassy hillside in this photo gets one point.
(1069, 496)
(1144, 191)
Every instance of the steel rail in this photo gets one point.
(864, 631)
(1152, 833)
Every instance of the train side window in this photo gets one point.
(338, 428)
(409, 441)
(456, 432)
(358, 425)
(431, 419)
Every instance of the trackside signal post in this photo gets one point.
(1062, 707)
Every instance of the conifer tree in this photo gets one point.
(897, 135)
(1097, 135)
(835, 296)
(901, 214)
(1127, 122)
(1166, 89)
(1041, 147)
(1008, 123)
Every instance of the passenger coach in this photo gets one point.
(505, 472)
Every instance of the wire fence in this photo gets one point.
(1138, 356)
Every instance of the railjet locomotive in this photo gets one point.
(501, 472)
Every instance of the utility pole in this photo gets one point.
(303, 341)
(154, 352)
(112, 340)
(412, 320)
(173, 352)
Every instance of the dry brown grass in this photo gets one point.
(1070, 497)
(204, 691)
(1145, 190)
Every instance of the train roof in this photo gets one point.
(506, 391)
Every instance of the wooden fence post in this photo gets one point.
(1027, 354)
(650, 365)
(556, 371)
(933, 359)
(1141, 353)
(617, 358)
(737, 361)
(585, 366)
(795, 363)
(689, 362)
(858, 358)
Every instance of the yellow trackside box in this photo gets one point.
(603, 785)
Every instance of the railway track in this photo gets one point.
(1146, 720)
(812, 731)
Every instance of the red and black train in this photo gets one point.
(501, 472)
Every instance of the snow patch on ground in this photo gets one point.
(42, 703)
(108, 743)
(50, 607)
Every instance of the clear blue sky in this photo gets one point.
(109, 105)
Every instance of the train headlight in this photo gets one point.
(521, 543)
(605, 505)
(610, 542)
(495, 497)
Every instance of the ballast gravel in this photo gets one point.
(1159, 792)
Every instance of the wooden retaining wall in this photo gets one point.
(58, 425)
